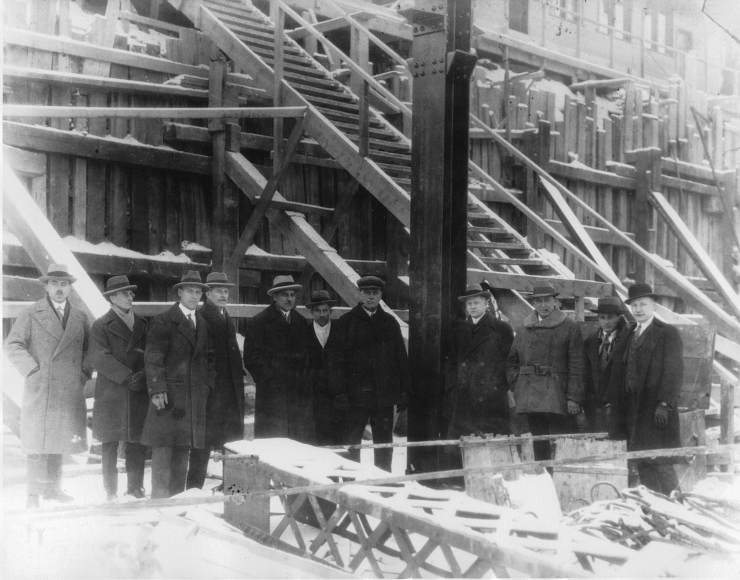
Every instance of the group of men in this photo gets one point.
(177, 384)
(626, 376)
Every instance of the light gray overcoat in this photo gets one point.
(53, 407)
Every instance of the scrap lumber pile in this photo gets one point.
(698, 523)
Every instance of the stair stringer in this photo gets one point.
(318, 127)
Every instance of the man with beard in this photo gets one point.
(545, 369)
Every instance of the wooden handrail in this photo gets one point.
(44, 111)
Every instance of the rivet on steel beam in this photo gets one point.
(422, 29)
(422, 73)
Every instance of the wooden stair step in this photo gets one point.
(390, 158)
(510, 246)
(317, 82)
(338, 93)
(299, 68)
(349, 117)
(536, 262)
(267, 54)
(480, 217)
(237, 9)
(383, 145)
(332, 103)
(395, 169)
(244, 22)
(489, 231)
(251, 41)
(374, 131)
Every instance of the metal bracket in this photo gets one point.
(461, 64)
(248, 460)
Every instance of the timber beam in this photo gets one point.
(153, 112)
(523, 283)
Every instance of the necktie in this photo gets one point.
(60, 314)
(606, 344)
(639, 330)
(191, 321)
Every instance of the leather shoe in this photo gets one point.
(59, 496)
(111, 496)
(32, 501)
(137, 493)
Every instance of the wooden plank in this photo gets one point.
(589, 175)
(10, 111)
(46, 139)
(524, 283)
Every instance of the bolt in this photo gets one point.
(423, 63)
(434, 8)
(434, 71)
(422, 73)
(416, 65)
(416, 74)
(422, 29)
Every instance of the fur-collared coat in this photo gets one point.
(116, 352)
(54, 362)
(225, 409)
(480, 395)
(276, 354)
(556, 344)
(659, 361)
(178, 362)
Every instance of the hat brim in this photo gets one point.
(45, 279)
(196, 284)
(610, 310)
(272, 291)
(484, 293)
(221, 284)
(533, 296)
(121, 289)
(649, 295)
(327, 302)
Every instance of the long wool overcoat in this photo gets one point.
(53, 406)
(178, 362)
(376, 367)
(276, 355)
(480, 395)
(116, 352)
(556, 344)
(225, 409)
(659, 361)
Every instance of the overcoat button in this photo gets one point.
(464, 364)
(480, 398)
(482, 364)
(481, 381)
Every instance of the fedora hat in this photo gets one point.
(216, 279)
(117, 284)
(320, 297)
(283, 283)
(474, 290)
(640, 290)
(543, 290)
(191, 278)
(370, 282)
(57, 272)
(608, 305)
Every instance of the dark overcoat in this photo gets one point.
(556, 345)
(659, 360)
(116, 352)
(53, 408)
(597, 383)
(276, 355)
(225, 409)
(376, 367)
(327, 378)
(179, 362)
(480, 396)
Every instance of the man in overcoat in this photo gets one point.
(545, 369)
(48, 346)
(117, 343)
(180, 373)
(598, 363)
(327, 348)
(649, 376)
(225, 407)
(376, 370)
(479, 349)
(276, 355)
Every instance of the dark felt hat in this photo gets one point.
(57, 272)
(216, 279)
(191, 278)
(608, 305)
(370, 282)
(117, 284)
(320, 297)
(640, 290)
(283, 283)
(474, 290)
(542, 290)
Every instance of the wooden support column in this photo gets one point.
(441, 68)
(647, 178)
(359, 52)
(727, 421)
(278, 17)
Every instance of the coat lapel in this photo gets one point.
(139, 330)
(119, 328)
(48, 319)
(476, 339)
(74, 326)
(183, 324)
(201, 332)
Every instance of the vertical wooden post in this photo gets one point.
(310, 44)
(278, 17)
(579, 18)
(580, 308)
(241, 476)
(543, 38)
(364, 120)
(648, 178)
(727, 421)
(359, 52)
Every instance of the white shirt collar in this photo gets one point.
(476, 320)
(371, 314)
(58, 305)
(643, 325)
(187, 312)
(285, 313)
(322, 332)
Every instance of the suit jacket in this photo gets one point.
(276, 354)
(597, 383)
(116, 352)
(659, 361)
(327, 362)
(54, 362)
(178, 362)
(225, 409)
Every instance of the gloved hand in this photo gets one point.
(661, 417)
(135, 381)
(573, 408)
(341, 402)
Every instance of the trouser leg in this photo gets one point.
(660, 477)
(36, 467)
(135, 460)
(198, 467)
(110, 466)
(381, 422)
(54, 472)
(161, 461)
(539, 425)
(179, 469)
(356, 421)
